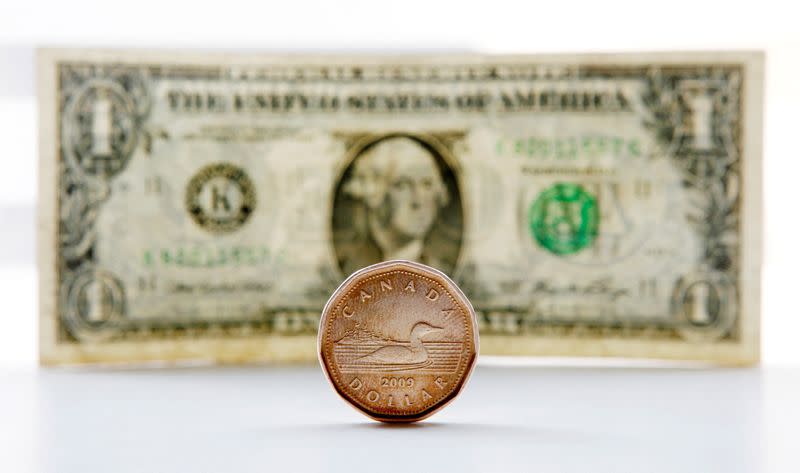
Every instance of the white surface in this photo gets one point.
(508, 419)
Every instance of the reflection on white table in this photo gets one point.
(518, 418)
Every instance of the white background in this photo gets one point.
(509, 418)
(495, 26)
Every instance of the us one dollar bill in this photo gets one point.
(204, 206)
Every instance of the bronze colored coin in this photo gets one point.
(398, 340)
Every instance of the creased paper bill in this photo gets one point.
(204, 206)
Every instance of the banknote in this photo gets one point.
(204, 207)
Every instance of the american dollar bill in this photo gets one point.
(204, 206)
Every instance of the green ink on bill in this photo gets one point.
(564, 219)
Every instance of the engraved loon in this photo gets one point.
(400, 354)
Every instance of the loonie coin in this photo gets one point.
(398, 340)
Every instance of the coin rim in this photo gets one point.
(471, 361)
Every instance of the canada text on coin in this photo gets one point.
(398, 340)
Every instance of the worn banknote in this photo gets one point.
(205, 206)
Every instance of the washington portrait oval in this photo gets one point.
(398, 198)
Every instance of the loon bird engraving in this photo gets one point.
(415, 353)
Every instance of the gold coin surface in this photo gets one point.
(398, 340)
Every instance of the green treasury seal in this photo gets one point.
(564, 218)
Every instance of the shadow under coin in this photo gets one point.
(477, 429)
(451, 430)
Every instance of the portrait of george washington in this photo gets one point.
(397, 199)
